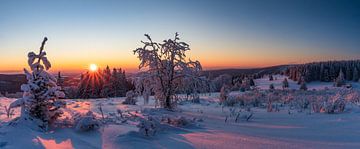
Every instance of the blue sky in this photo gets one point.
(221, 34)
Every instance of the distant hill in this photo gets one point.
(11, 82)
(248, 71)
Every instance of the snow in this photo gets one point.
(209, 129)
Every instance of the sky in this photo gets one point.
(221, 33)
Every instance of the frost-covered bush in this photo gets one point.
(87, 122)
(130, 98)
(148, 126)
(40, 102)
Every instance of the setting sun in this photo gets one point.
(93, 67)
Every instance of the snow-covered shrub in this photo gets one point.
(353, 96)
(148, 126)
(130, 98)
(86, 122)
(271, 98)
(334, 105)
(177, 121)
(224, 93)
(40, 102)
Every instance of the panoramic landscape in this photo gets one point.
(205, 74)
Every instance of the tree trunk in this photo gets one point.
(168, 102)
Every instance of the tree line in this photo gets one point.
(325, 71)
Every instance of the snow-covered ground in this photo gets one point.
(209, 130)
(264, 130)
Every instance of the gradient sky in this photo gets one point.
(221, 34)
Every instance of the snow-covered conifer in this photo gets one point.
(340, 80)
(40, 102)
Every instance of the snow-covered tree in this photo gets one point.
(130, 98)
(355, 75)
(107, 85)
(340, 80)
(303, 86)
(143, 87)
(40, 102)
(285, 83)
(252, 82)
(166, 67)
(271, 78)
(221, 80)
(193, 86)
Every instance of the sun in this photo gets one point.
(93, 67)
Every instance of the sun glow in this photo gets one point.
(93, 67)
